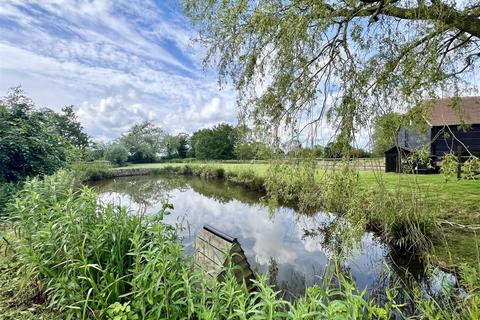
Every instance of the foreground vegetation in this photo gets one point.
(79, 258)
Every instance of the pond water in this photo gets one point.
(294, 249)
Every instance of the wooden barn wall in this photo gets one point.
(446, 143)
(411, 138)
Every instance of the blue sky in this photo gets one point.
(118, 62)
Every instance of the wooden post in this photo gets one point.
(459, 162)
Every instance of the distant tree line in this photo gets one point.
(145, 142)
(38, 141)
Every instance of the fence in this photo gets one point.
(357, 163)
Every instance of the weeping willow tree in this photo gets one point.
(295, 63)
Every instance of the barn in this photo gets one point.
(453, 128)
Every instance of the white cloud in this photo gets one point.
(117, 61)
(202, 111)
(112, 116)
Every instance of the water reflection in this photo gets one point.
(296, 250)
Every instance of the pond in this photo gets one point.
(294, 249)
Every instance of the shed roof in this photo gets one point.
(396, 149)
(448, 112)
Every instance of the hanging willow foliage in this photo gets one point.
(296, 63)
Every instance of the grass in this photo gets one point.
(457, 196)
(16, 303)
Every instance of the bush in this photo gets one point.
(7, 192)
(92, 171)
(29, 144)
(117, 154)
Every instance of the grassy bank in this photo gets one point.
(76, 257)
(456, 196)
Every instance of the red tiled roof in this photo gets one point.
(447, 112)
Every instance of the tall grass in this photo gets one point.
(7, 192)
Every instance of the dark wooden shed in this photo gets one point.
(453, 127)
(394, 158)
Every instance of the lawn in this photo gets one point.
(459, 197)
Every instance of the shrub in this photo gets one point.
(92, 171)
(29, 144)
(7, 192)
(117, 154)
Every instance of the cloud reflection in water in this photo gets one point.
(298, 245)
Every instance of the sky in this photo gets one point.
(117, 62)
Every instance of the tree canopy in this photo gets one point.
(175, 146)
(117, 154)
(215, 143)
(385, 131)
(144, 141)
(68, 126)
(297, 62)
(29, 144)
